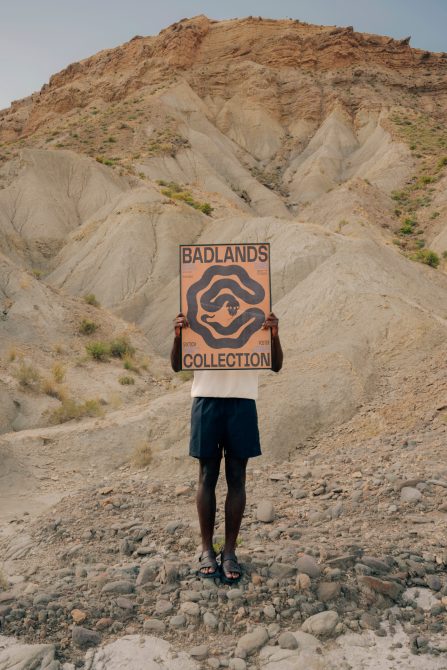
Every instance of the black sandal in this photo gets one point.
(207, 559)
(230, 564)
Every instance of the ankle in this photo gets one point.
(229, 550)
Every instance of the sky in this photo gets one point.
(40, 38)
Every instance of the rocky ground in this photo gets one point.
(344, 551)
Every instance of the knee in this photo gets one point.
(209, 474)
(236, 478)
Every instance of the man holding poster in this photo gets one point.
(226, 333)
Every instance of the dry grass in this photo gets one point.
(145, 363)
(58, 371)
(3, 581)
(58, 348)
(142, 455)
(52, 389)
(71, 409)
(28, 376)
(13, 353)
(129, 364)
(115, 401)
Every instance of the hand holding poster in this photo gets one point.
(225, 296)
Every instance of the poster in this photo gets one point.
(225, 295)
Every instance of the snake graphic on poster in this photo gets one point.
(224, 293)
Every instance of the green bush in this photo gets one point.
(126, 381)
(206, 208)
(90, 299)
(408, 227)
(121, 347)
(426, 256)
(98, 350)
(87, 327)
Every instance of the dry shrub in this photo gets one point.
(58, 348)
(3, 581)
(28, 376)
(129, 364)
(54, 390)
(145, 363)
(71, 409)
(12, 354)
(115, 401)
(58, 372)
(142, 455)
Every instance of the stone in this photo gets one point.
(434, 582)
(182, 490)
(303, 581)
(299, 494)
(26, 656)
(306, 641)
(410, 495)
(84, 637)
(120, 587)
(328, 591)
(177, 621)
(103, 623)
(375, 564)
(386, 588)
(168, 573)
(78, 616)
(235, 594)
(237, 664)
(251, 642)
(200, 652)
(321, 624)
(369, 621)
(308, 565)
(163, 606)
(210, 621)
(135, 652)
(287, 641)
(125, 603)
(282, 570)
(154, 625)
(423, 598)
(190, 609)
(265, 511)
(269, 612)
(193, 596)
(148, 573)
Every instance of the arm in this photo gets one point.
(272, 322)
(179, 323)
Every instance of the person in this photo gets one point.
(223, 421)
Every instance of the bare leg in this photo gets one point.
(206, 500)
(235, 469)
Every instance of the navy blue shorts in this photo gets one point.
(228, 425)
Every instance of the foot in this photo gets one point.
(208, 564)
(231, 570)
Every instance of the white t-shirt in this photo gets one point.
(225, 384)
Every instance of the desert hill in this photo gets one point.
(328, 143)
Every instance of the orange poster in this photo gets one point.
(225, 296)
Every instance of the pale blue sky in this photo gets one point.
(39, 38)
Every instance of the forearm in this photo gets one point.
(277, 355)
(176, 358)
